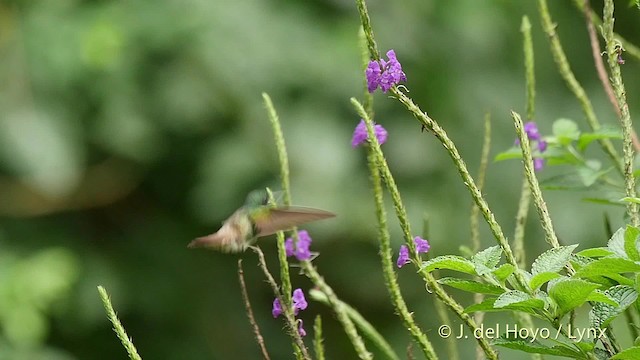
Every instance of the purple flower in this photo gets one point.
(301, 251)
(532, 131)
(301, 330)
(360, 134)
(299, 302)
(384, 74)
(538, 163)
(422, 245)
(403, 256)
(277, 308)
(542, 145)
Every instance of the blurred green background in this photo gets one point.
(129, 128)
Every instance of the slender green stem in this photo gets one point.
(365, 327)
(339, 309)
(521, 222)
(318, 340)
(529, 66)
(285, 278)
(287, 309)
(565, 71)
(117, 326)
(368, 31)
(613, 47)
(478, 317)
(249, 310)
(541, 206)
(629, 47)
(364, 52)
(307, 266)
(380, 169)
(467, 179)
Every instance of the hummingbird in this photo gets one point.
(256, 218)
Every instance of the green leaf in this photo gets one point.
(449, 262)
(535, 347)
(602, 133)
(616, 244)
(595, 252)
(602, 314)
(631, 242)
(486, 260)
(600, 296)
(590, 174)
(471, 286)
(541, 278)
(565, 131)
(608, 266)
(634, 200)
(503, 272)
(513, 153)
(484, 306)
(552, 260)
(569, 294)
(629, 353)
(519, 298)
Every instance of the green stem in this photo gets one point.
(377, 163)
(117, 326)
(625, 118)
(318, 345)
(534, 186)
(565, 71)
(529, 66)
(367, 329)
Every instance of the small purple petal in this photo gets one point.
(542, 145)
(373, 75)
(301, 330)
(403, 256)
(304, 242)
(288, 247)
(538, 164)
(359, 134)
(277, 308)
(422, 245)
(381, 134)
(299, 302)
(532, 130)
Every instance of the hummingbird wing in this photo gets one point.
(283, 218)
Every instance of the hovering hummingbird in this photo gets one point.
(256, 219)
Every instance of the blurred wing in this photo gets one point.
(283, 218)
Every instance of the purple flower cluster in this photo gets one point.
(531, 129)
(301, 250)
(299, 303)
(422, 246)
(384, 74)
(360, 134)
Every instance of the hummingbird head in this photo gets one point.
(256, 198)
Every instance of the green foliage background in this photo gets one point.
(128, 128)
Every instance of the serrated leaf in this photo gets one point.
(471, 286)
(589, 175)
(541, 278)
(503, 272)
(565, 131)
(616, 243)
(535, 347)
(552, 260)
(595, 252)
(449, 262)
(489, 257)
(518, 298)
(569, 294)
(602, 314)
(607, 266)
(600, 296)
(631, 242)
